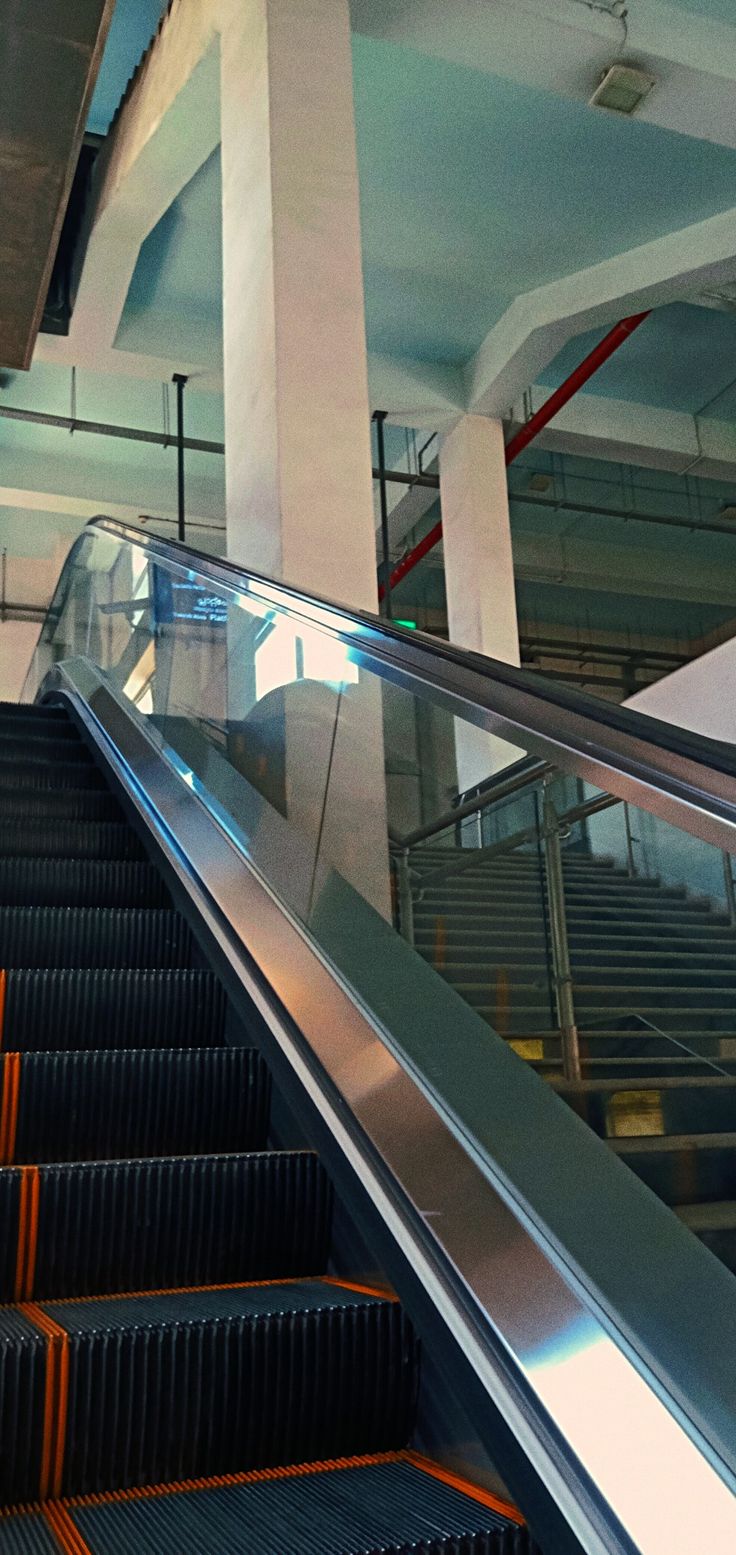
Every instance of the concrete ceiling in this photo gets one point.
(498, 208)
(679, 360)
(48, 66)
(475, 189)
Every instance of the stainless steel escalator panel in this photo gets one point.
(556, 1344)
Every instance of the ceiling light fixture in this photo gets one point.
(622, 88)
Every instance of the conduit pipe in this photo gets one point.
(536, 423)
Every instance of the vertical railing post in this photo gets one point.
(379, 418)
(630, 860)
(561, 969)
(406, 901)
(180, 379)
(730, 888)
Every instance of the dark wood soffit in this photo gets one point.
(50, 53)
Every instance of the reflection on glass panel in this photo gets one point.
(597, 940)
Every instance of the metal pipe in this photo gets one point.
(380, 418)
(180, 379)
(536, 423)
(561, 968)
(478, 802)
(567, 390)
(26, 612)
(627, 515)
(43, 418)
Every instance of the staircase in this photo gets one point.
(179, 1369)
(655, 996)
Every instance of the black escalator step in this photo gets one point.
(69, 839)
(40, 882)
(28, 1533)
(73, 1010)
(216, 1381)
(27, 723)
(33, 748)
(91, 937)
(31, 710)
(66, 804)
(23, 1356)
(103, 1106)
(391, 1505)
(85, 1229)
(23, 775)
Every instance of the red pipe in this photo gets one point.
(535, 425)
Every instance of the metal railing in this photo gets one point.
(411, 884)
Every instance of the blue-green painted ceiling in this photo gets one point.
(131, 29)
(473, 189)
(175, 297)
(476, 188)
(679, 359)
(712, 10)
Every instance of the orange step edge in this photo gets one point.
(383, 1294)
(261, 1476)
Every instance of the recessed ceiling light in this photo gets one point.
(622, 88)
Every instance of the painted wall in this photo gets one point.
(17, 642)
(700, 696)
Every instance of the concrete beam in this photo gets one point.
(538, 323)
(63, 351)
(425, 395)
(166, 128)
(596, 427)
(563, 46)
(86, 508)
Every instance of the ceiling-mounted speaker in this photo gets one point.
(622, 88)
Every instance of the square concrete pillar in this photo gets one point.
(297, 418)
(479, 571)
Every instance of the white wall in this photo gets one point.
(700, 696)
(17, 642)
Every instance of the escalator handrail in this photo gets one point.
(684, 777)
(667, 1380)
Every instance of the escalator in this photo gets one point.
(178, 1369)
(322, 1084)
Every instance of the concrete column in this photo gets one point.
(299, 495)
(479, 571)
(479, 566)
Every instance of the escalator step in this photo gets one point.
(388, 1505)
(19, 774)
(68, 839)
(40, 882)
(92, 1229)
(27, 724)
(213, 1381)
(28, 1533)
(43, 748)
(60, 805)
(103, 1106)
(22, 1391)
(89, 937)
(30, 710)
(62, 1010)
